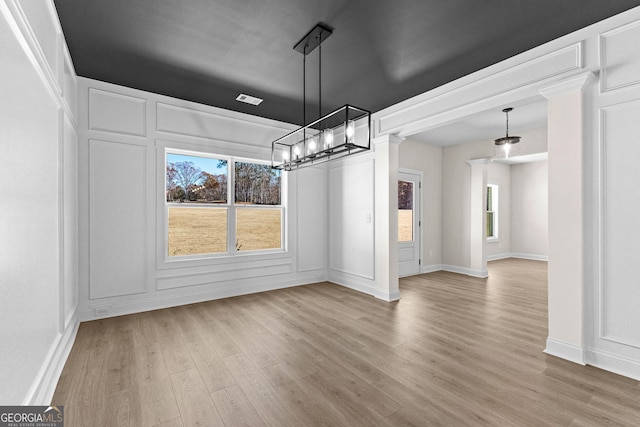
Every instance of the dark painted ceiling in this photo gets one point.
(381, 51)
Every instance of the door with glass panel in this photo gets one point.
(408, 224)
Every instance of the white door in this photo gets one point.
(409, 223)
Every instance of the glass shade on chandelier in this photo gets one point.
(507, 146)
(340, 133)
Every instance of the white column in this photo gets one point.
(478, 218)
(566, 287)
(386, 217)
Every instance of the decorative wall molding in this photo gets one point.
(311, 190)
(45, 60)
(117, 215)
(257, 269)
(568, 85)
(352, 235)
(69, 85)
(117, 113)
(481, 161)
(163, 300)
(613, 363)
(44, 386)
(619, 61)
(222, 124)
(617, 221)
(48, 68)
(565, 351)
(559, 62)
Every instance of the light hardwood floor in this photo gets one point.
(453, 351)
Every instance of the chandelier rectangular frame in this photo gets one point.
(340, 133)
(344, 131)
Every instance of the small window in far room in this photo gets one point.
(492, 211)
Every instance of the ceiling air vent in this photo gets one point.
(249, 99)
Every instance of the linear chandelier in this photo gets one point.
(340, 133)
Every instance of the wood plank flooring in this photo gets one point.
(454, 350)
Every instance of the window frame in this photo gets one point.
(230, 206)
(495, 205)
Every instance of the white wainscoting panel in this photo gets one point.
(311, 219)
(114, 112)
(351, 218)
(190, 122)
(229, 273)
(117, 219)
(619, 59)
(620, 293)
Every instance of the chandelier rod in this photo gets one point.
(320, 74)
(304, 91)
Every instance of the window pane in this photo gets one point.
(405, 211)
(197, 231)
(258, 228)
(257, 184)
(489, 224)
(196, 179)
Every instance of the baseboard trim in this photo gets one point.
(482, 274)
(388, 296)
(430, 268)
(533, 257)
(565, 351)
(43, 387)
(505, 255)
(613, 363)
(353, 282)
(112, 309)
(496, 257)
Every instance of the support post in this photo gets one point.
(386, 217)
(566, 283)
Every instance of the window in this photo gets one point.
(492, 211)
(217, 205)
(405, 211)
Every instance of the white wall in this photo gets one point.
(456, 193)
(529, 210)
(500, 174)
(456, 181)
(38, 265)
(428, 159)
(123, 265)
